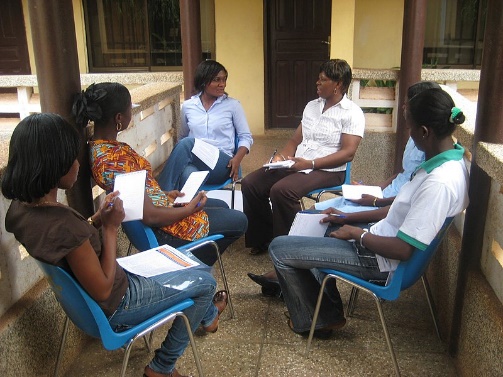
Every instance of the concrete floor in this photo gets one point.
(258, 341)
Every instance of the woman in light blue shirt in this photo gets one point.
(215, 118)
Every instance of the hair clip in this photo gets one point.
(454, 113)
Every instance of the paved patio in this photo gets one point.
(258, 341)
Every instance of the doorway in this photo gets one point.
(13, 46)
(297, 42)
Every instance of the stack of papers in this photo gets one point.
(279, 164)
(307, 223)
(156, 261)
(353, 192)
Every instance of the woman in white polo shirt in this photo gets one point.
(438, 189)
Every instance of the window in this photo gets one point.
(128, 35)
(454, 33)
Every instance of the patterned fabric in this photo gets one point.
(109, 157)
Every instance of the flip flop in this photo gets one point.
(220, 300)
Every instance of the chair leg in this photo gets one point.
(193, 345)
(386, 334)
(148, 341)
(427, 290)
(352, 301)
(224, 278)
(61, 347)
(316, 312)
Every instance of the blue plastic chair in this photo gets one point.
(228, 181)
(317, 193)
(86, 314)
(142, 238)
(407, 274)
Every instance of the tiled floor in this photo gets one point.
(258, 341)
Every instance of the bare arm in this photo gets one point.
(349, 145)
(97, 274)
(235, 161)
(356, 217)
(388, 247)
(372, 201)
(162, 216)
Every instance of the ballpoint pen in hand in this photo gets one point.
(272, 157)
(337, 215)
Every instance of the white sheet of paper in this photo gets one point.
(226, 196)
(307, 223)
(156, 261)
(356, 191)
(191, 186)
(279, 164)
(206, 152)
(132, 192)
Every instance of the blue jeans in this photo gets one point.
(230, 223)
(182, 162)
(146, 297)
(296, 260)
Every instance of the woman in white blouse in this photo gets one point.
(327, 138)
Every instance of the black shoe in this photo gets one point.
(270, 287)
(272, 292)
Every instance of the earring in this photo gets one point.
(118, 126)
(335, 91)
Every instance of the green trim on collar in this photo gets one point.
(411, 241)
(455, 154)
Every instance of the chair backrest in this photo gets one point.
(82, 310)
(141, 236)
(347, 178)
(415, 267)
(410, 271)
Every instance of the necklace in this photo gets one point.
(43, 204)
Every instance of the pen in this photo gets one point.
(111, 202)
(272, 156)
(337, 215)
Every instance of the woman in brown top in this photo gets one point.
(42, 159)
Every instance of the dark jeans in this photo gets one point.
(230, 223)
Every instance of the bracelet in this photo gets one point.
(312, 161)
(365, 231)
(375, 202)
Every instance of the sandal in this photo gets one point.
(220, 300)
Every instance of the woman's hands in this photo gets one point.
(173, 194)
(111, 211)
(347, 232)
(198, 202)
(339, 218)
(300, 163)
(234, 166)
(365, 200)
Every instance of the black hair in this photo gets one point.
(435, 109)
(420, 86)
(205, 72)
(100, 103)
(338, 70)
(42, 149)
